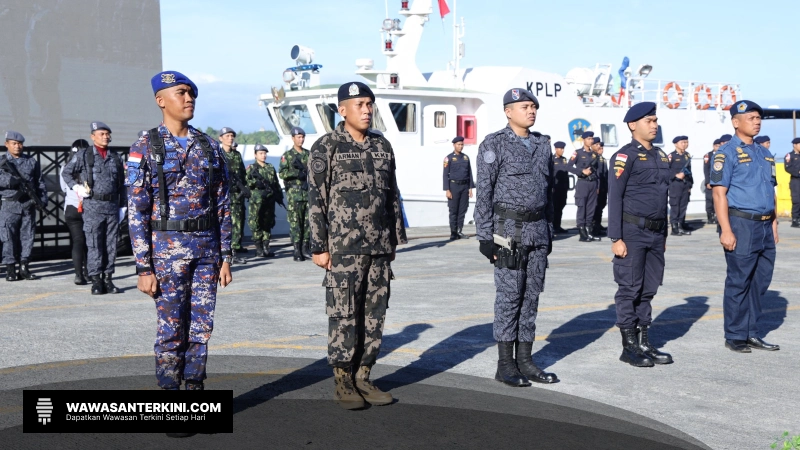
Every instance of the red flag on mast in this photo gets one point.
(443, 9)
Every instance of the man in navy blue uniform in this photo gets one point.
(458, 185)
(743, 179)
(560, 187)
(514, 207)
(680, 186)
(792, 167)
(712, 216)
(602, 189)
(583, 163)
(763, 141)
(637, 226)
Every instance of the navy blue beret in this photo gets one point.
(297, 130)
(171, 78)
(260, 148)
(143, 133)
(587, 134)
(640, 110)
(355, 89)
(725, 138)
(559, 144)
(745, 106)
(717, 142)
(796, 141)
(677, 139)
(761, 139)
(458, 139)
(99, 126)
(602, 144)
(520, 95)
(14, 136)
(226, 130)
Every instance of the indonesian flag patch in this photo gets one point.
(135, 158)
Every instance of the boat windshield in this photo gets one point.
(294, 116)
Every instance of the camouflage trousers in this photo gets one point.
(237, 221)
(297, 215)
(16, 233)
(517, 300)
(356, 299)
(185, 301)
(261, 219)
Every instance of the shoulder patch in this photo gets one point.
(489, 157)
(622, 157)
(706, 158)
(788, 157)
(318, 165)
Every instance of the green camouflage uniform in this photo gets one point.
(265, 191)
(296, 183)
(354, 213)
(236, 173)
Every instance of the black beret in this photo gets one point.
(99, 126)
(677, 139)
(761, 139)
(745, 106)
(796, 141)
(717, 142)
(355, 89)
(587, 134)
(639, 111)
(725, 138)
(14, 136)
(559, 144)
(601, 143)
(458, 139)
(519, 95)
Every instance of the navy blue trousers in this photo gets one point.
(458, 205)
(750, 267)
(678, 201)
(586, 201)
(638, 275)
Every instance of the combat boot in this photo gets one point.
(80, 280)
(345, 393)
(648, 349)
(369, 391)
(631, 353)
(267, 252)
(507, 371)
(298, 253)
(685, 229)
(11, 272)
(97, 285)
(453, 234)
(528, 368)
(710, 217)
(461, 235)
(25, 272)
(237, 259)
(795, 223)
(714, 218)
(260, 249)
(307, 249)
(676, 231)
(109, 285)
(193, 386)
(589, 236)
(582, 232)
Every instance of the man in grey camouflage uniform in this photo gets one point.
(356, 223)
(514, 202)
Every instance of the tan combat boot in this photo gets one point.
(369, 391)
(345, 394)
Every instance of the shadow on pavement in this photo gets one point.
(582, 330)
(674, 322)
(434, 244)
(773, 310)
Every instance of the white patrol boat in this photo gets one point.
(419, 113)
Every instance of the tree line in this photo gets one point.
(256, 137)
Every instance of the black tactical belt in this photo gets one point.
(641, 222)
(588, 178)
(460, 181)
(506, 213)
(758, 217)
(18, 196)
(106, 198)
(201, 224)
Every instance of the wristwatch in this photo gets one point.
(227, 259)
(614, 239)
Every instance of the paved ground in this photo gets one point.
(438, 333)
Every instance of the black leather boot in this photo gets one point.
(714, 218)
(260, 249)
(80, 278)
(307, 249)
(795, 223)
(24, 271)
(267, 252)
(589, 235)
(194, 386)
(97, 285)
(710, 217)
(237, 259)
(685, 229)
(453, 234)
(649, 350)
(582, 232)
(528, 368)
(298, 253)
(461, 235)
(109, 285)
(507, 371)
(11, 272)
(676, 231)
(631, 353)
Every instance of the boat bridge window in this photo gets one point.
(608, 134)
(405, 116)
(294, 116)
(329, 112)
(440, 119)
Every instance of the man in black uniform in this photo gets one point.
(602, 191)
(680, 165)
(561, 186)
(458, 184)
(712, 216)
(637, 226)
(724, 139)
(583, 163)
(792, 167)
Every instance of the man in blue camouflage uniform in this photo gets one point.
(95, 174)
(457, 184)
(514, 202)
(18, 210)
(743, 180)
(637, 228)
(583, 164)
(180, 226)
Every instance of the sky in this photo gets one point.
(236, 50)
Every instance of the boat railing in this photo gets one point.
(691, 95)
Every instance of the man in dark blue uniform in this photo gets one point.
(792, 167)
(763, 141)
(712, 216)
(458, 184)
(637, 226)
(583, 163)
(602, 191)
(680, 186)
(560, 187)
(743, 179)
(724, 139)
(514, 207)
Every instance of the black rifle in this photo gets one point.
(302, 177)
(262, 184)
(686, 169)
(24, 186)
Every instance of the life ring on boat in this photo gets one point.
(732, 91)
(678, 89)
(697, 103)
